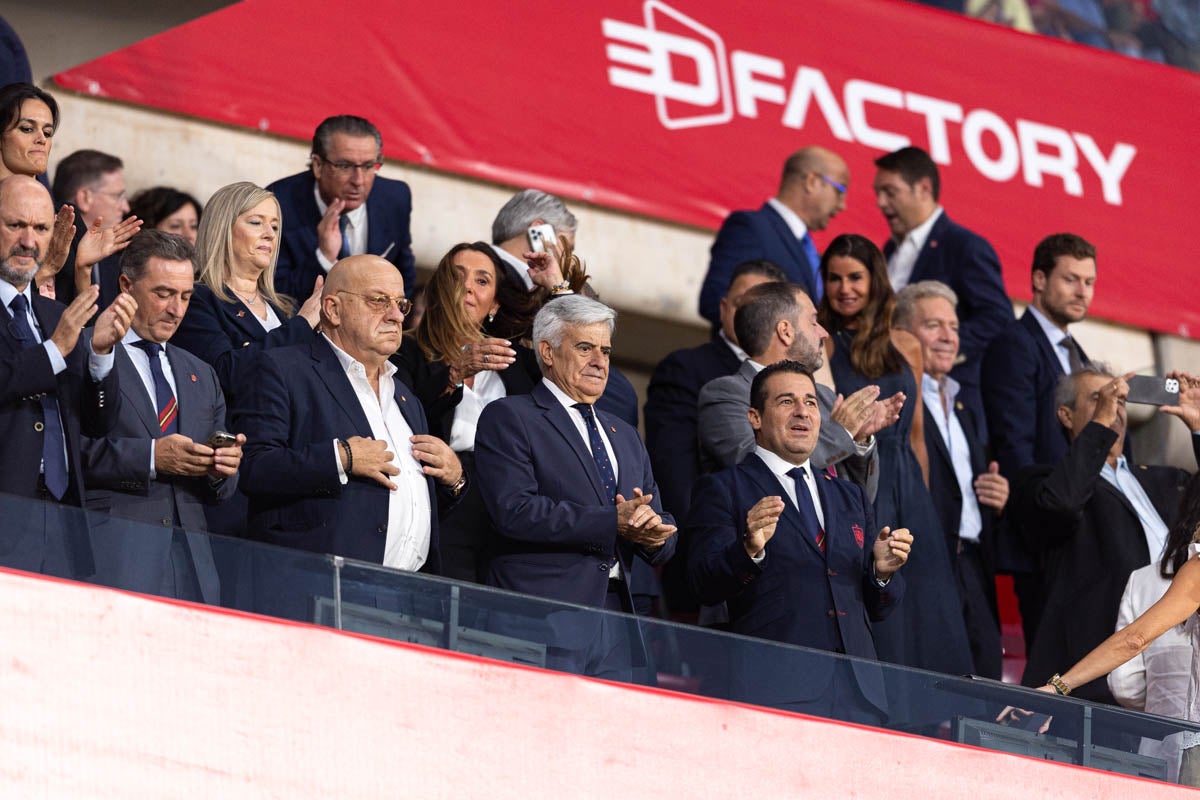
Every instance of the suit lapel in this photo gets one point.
(939, 442)
(406, 401)
(625, 453)
(242, 318)
(134, 392)
(333, 377)
(789, 241)
(1049, 358)
(929, 251)
(188, 395)
(769, 484)
(380, 236)
(561, 421)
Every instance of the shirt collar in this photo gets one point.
(777, 465)
(348, 361)
(1052, 331)
(131, 338)
(794, 223)
(932, 389)
(508, 258)
(919, 234)
(737, 351)
(357, 216)
(8, 293)
(562, 397)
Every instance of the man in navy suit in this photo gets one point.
(968, 491)
(926, 246)
(795, 556)
(1021, 370)
(339, 208)
(811, 192)
(55, 385)
(338, 458)
(154, 466)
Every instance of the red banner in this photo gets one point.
(687, 110)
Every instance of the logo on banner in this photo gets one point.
(695, 83)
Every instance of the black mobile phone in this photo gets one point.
(221, 439)
(1151, 390)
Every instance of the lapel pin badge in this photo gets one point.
(612, 428)
(194, 378)
(241, 313)
(403, 399)
(933, 243)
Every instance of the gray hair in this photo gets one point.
(573, 310)
(524, 207)
(153, 243)
(1068, 385)
(908, 297)
(345, 124)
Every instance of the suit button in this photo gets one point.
(381, 529)
(166, 521)
(37, 426)
(831, 614)
(603, 567)
(831, 573)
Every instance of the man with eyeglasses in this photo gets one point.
(812, 192)
(338, 458)
(926, 246)
(93, 183)
(339, 207)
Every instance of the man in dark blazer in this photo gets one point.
(1021, 371)
(968, 492)
(670, 412)
(338, 459)
(155, 466)
(338, 208)
(795, 555)
(811, 192)
(1093, 518)
(925, 245)
(56, 384)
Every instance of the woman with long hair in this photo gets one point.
(463, 355)
(928, 629)
(235, 312)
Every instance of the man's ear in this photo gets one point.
(331, 309)
(546, 352)
(755, 419)
(124, 282)
(1066, 417)
(923, 187)
(1038, 279)
(313, 165)
(84, 200)
(785, 331)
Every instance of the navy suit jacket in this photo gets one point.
(746, 236)
(86, 407)
(389, 206)
(964, 261)
(670, 412)
(117, 468)
(299, 403)
(798, 594)
(225, 334)
(556, 531)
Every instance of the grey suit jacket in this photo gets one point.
(117, 470)
(726, 437)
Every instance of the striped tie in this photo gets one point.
(167, 407)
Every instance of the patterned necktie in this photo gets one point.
(814, 264)
(804, 503)
(54, 459)
(343, 223)
(168, 409)
(599, 452)
(1074, 356)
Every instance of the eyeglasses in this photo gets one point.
(841, 188)
(348, 167)
(380, 303)
(118, 196)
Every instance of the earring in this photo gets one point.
(492, 317)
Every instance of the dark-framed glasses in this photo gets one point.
(348, 167)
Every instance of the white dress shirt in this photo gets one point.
(581, 425)
(409, 514)
(141, 362)
(488, 387)
(780, 469)
(520, 266)
(356, 230)
(1153, 526)
(1055, 336)
(970, 521)
(794, 223)
(904, 257)
(272, 321)
(737, 351)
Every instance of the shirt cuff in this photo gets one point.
(99, 366)
(57, 362)
(153, 472)
(337, 459)
(864, 448)
(761, 557)
(325, 263)
(882, 584)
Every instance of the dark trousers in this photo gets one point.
(979, 614)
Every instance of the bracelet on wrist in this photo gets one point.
(349, 455)
(1059, 684)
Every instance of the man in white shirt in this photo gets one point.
(338, 459)
(812, 191)
(968, 492)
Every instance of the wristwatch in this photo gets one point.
(459, 485)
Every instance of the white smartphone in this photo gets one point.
(539, 236)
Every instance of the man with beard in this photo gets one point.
(56, 384)
(1020, 371)
(777, 321)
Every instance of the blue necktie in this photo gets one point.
(804, 504)
(814, 264)
(599, 453)
(343, 223)
(165, 405)
(54, 459)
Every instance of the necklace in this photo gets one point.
(248, 301)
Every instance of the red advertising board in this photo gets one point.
(684, 110)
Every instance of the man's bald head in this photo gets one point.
(363, 307)
(26, 224)
(814, 185)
